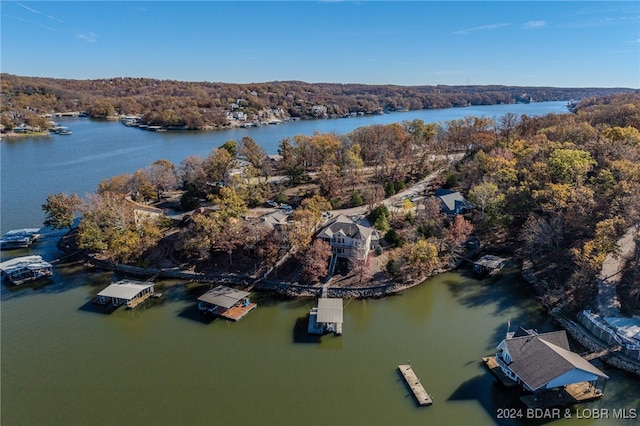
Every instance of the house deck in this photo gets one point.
(412, 380)
(570, 394)
(491, 363)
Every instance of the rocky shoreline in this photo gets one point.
(383, 289)
(380, 289)
(576, 330)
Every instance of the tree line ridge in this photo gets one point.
(198, 105)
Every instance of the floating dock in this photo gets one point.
(493, 367)
(412, 380)
(568, 395)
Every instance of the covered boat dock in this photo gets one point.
(226, 302)
(327, 317)
(489, 264)
(128, 292)
(19, 238)
(26, 268)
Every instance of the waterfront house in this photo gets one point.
(348, 239)
(125, 292)
(540, 362)
(226, 302)
(24, 269)
(327, 317)
(452, 203)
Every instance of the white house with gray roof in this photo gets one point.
(543, 361)
(347, 238)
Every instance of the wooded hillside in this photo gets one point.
(203, 104)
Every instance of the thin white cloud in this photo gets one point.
(29, 22)
(534, 24)
(480, 28)
(32, 10)
(91, 37)
(55, 19)
(603, 22)
(29, 9)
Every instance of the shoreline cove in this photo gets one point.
(295, 290)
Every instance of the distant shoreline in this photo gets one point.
(14, 135)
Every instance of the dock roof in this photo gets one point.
(24, 262)
(223, 296)
(125, 289)
(490, 261)
(330, 310)
(540, 358)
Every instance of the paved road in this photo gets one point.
(608, 303)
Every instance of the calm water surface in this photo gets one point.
(64, 362)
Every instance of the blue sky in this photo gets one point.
(543, 43)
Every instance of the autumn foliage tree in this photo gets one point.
(60, 210)
(315, 261)
(109, 227)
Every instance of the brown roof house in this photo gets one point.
(543, 361)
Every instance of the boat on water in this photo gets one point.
(60, 130)
(24, 269)
(19, 238)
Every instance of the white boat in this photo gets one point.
(24, 269)
(19, 238)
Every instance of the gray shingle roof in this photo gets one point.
(538, 359)
(347, 226)
(452, 200)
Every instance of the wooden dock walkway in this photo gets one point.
(569, 395)
(412, 380)
(600, 354)
(491, 363)
(135, 302)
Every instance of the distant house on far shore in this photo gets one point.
(452, 203)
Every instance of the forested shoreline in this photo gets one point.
(198, 105)
(559, 190)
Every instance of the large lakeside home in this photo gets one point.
(348, 239)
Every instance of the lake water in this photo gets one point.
(66, 363)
